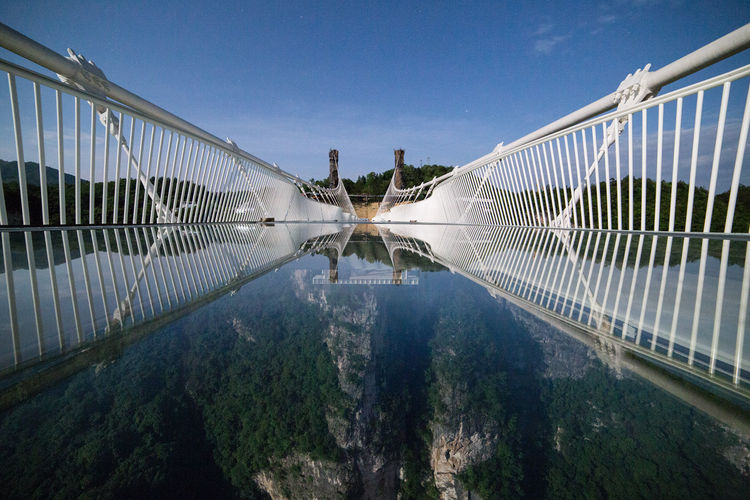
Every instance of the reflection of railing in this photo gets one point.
(149, 166)
(567, 174)
(402, 278)
(593, 282)
(130, 277)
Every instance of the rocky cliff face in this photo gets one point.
(459, 438)
(452, 451)
(353, 341)
(299, 476)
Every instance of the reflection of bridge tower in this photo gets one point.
(399, 275)
(333, 268)
(396, 244)
(333, 246)
(397, 267)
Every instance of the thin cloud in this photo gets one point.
(546, 45)
(606, 19)
(543, 28)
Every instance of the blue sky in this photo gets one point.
(446, 81)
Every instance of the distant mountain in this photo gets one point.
(9, 171)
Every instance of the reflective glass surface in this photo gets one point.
(328, 361)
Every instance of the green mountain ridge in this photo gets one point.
(9, 172)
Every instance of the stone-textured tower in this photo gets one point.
(398, 174)
(333, 168)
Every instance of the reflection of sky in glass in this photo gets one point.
(553, 320)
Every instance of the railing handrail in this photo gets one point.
(721, 48)
(32, 50)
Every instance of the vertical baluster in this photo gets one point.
(60, 159)
(167, 178)
(201, 190)
(118, 163)
(587, 175)
(570, 183)
(131, 160)
(42, 160)
(631, 200)
(105, 183)
(644, 183)
(174, 179)
(22, 187)
(554, 193)
(561, 186)
(595, 156)
(92, 163)
(77, 132)
(153, 194)
(605, 150)
(222, 190)
(187, 193)
(146, 181)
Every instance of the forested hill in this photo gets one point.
(9, 171)
(377, 184)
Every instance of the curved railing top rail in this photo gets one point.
(34, 51)
(644, 84)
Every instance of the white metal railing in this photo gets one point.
(92, 283)
(592, 175)
(609, 285)
(130, 162)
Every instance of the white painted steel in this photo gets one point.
(227, 184)
(483, 192)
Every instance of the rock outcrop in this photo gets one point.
(452, 451)
(299, 476)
